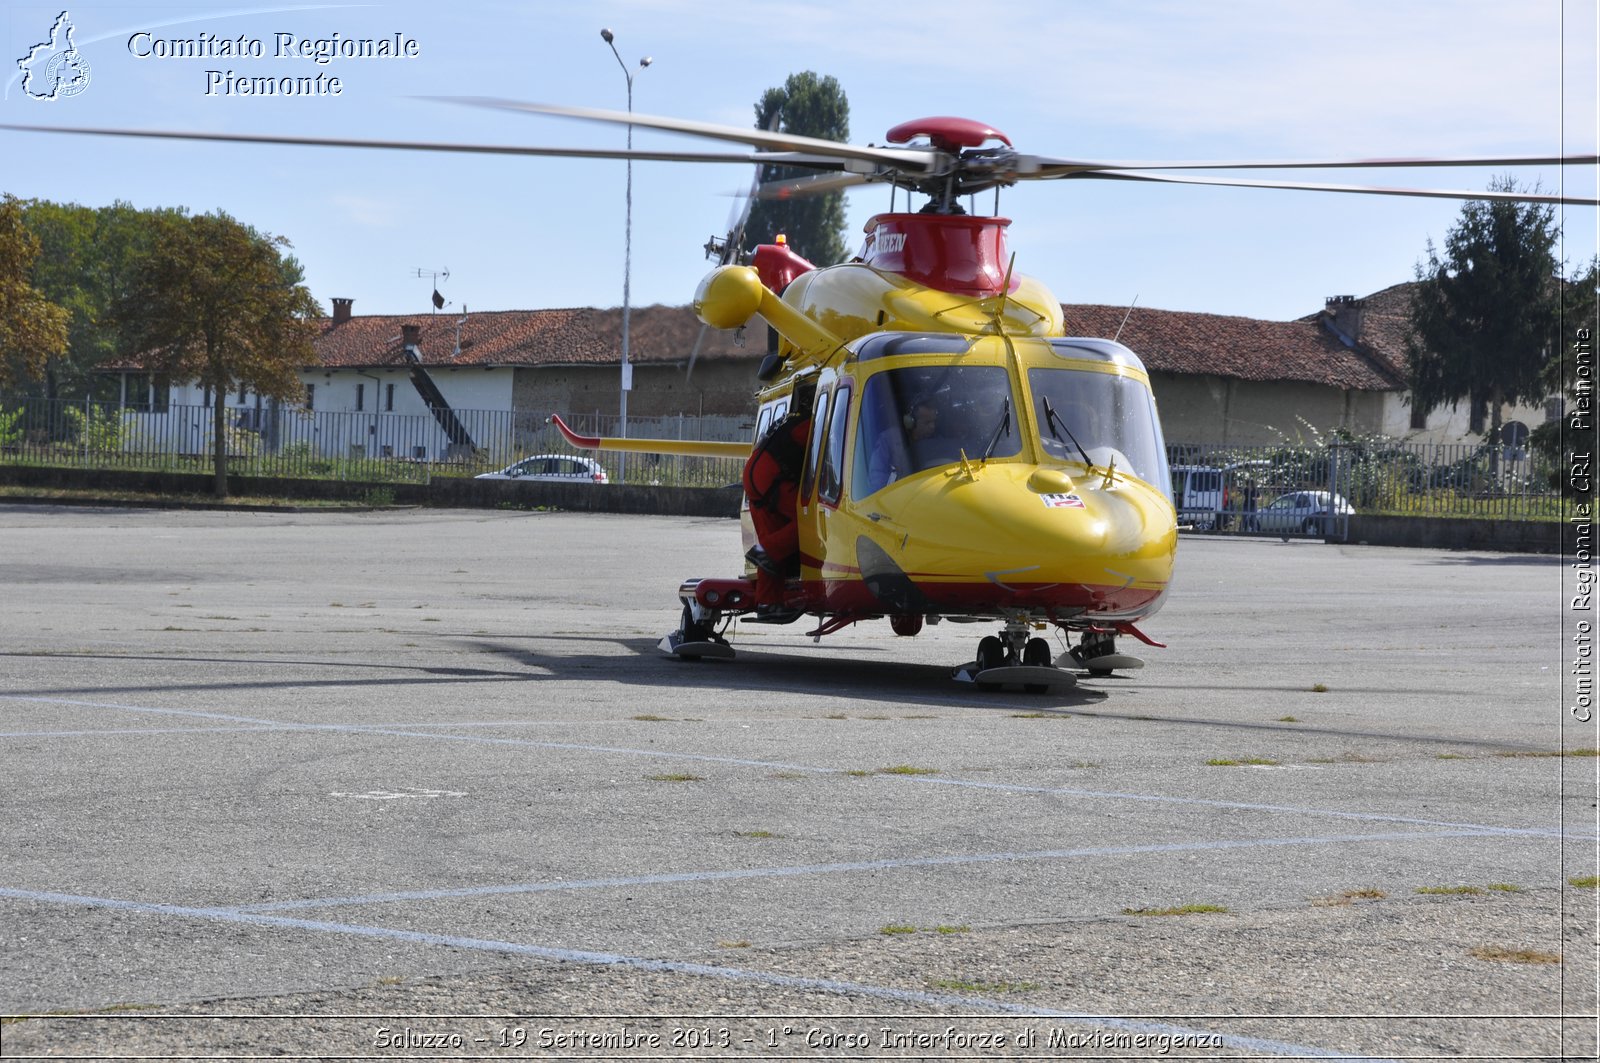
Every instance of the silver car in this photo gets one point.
(554, 468)
(1298, 513)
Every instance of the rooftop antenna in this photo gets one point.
(1126, 316)
(434, 275)
(459, 322)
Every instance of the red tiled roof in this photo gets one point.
(577, 336)
(1180, 342)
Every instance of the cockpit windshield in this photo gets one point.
(921, 417)
(1096, 419)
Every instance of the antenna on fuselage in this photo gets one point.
(1126, 316)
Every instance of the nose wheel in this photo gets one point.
(1014, 658)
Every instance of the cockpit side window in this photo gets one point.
(923, 417)
(819, 422)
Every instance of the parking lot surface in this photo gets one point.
(412, 784)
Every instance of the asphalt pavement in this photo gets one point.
(417, 784)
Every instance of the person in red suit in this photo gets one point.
(772, 484)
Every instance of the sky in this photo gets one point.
(1148, 79)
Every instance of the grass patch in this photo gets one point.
(1451, 756)
(962, 985)
(1319, 688)
(1500, 954)
(740, 944)
(1182, 909)
(897, 928)
(1228, 762)
(650, 717)
(1040, 716)
(1288, 719)
(1505, 887)
(787, 775)
(952, 930)
(758, 834)
(676, 776)
(907, 769)
(1552, 753)
(1451, 890)
(1585, 882)
(858, 773)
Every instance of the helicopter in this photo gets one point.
(930, 446)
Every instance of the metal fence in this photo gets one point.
(1313, 489)
(1295, 489)
(272, 440)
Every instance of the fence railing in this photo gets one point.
(1215, 488)
(1249, 489)
(273, 440)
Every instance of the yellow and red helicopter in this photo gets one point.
(930, 446)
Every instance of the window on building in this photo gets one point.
(160, 394)
(311, 396)
(1475, 422)
(388, 398)
(1419, 416)
(361, 396)
(241, 394)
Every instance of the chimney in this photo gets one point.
(1342, 314)
(410, 337)
(341, 310)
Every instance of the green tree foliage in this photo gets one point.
(88, 257)
(806, 105)
(220, 304)
(1485, 316)
(1580, 311)
(32, 328)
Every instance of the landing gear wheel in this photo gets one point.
(991, 654)
(1097, 654)
(696, 638)
(1036, 652)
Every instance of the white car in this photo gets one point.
(552, 468)
(1298, 513)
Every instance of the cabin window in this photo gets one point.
(831, 482)
(819, 422)
(923, 417)
(1098, 419)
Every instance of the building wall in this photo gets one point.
(1223, 410)
(1450, 424)
(725, 387)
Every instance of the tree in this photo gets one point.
(1485, 318)
(32, 329)
(218, 303)
(87, 259)
(806, 105)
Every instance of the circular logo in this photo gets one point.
(67, 74)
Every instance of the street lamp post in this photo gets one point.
(627, 246)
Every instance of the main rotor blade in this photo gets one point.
(814, 185)
(636, 154)
(1044, 167)
(901, 158)
(1306, 186)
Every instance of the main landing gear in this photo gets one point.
(1015, 658)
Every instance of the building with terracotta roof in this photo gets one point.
(1218, 379)
(1243, 381)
